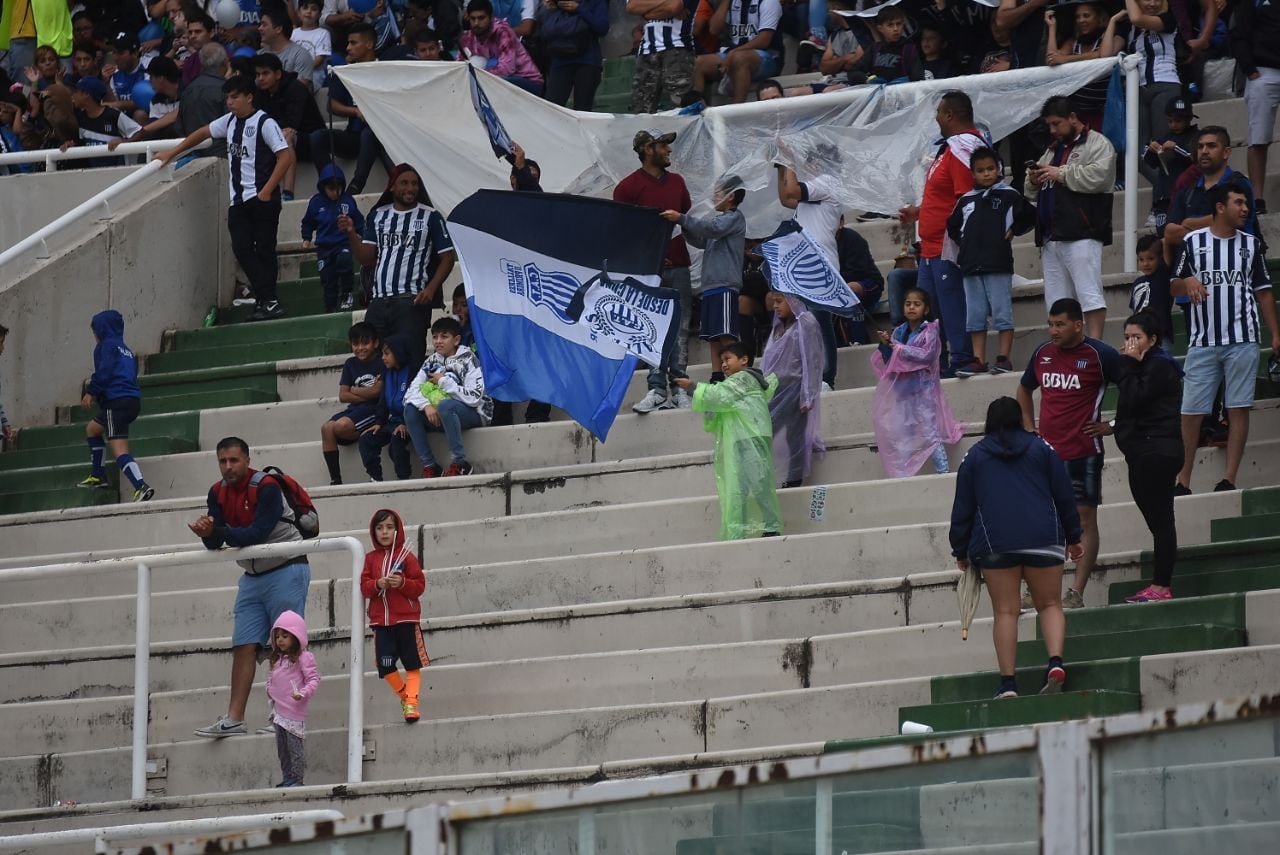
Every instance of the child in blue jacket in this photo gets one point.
(389, 430)
(114, 388)
(333, 255)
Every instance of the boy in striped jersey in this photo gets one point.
(1224, 272)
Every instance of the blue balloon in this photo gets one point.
(142, 95)
(151, 32)
(364, 7)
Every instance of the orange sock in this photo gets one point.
(396, 682)
(412, 682)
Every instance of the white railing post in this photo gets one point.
(1066, 788)
(355, 701)
(1131, 143)
(141, 682)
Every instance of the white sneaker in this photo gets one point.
(244, 297)
(826, 387)
(681, 400)
(222, 727)
(653, 400)
(269, 727)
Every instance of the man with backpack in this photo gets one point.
(247, 508)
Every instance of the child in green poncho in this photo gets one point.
(737, 412)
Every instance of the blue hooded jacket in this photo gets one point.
(1012, 494)
(395, 382)
(321, 218)
(115, 368)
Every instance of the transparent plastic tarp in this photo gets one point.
(877, 139)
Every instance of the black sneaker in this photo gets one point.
(1179, 490)
(268, 311)
(244, 297)
(1259, 206)
(1223, 486)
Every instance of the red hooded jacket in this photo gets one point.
(392, 605)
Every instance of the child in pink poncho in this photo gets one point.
(794, 353)
(912, 420)
(294, 678)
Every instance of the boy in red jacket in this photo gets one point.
(392, 582)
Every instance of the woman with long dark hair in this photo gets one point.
(1148, 430)
(1015, 517)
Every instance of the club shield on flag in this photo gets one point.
(499, 139)
(529, 261)
(639, 318)
(795, 265)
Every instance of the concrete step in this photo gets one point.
(1194, 796)
(179, 403)
(1026, 709)
(147, 425)
(301, 297)
(33, 468)
(1135, 642)
(37, 501)
(1250, 837)
(1247, 526)
(232, 355)
(1205, 584)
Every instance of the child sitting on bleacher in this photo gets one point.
(392, 582)
(114, 388)
(447, 395)
(360, 388)
(388, 429)
(737, 412)
(333, 254)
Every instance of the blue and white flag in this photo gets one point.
(499, 139)
(547, 326)
(795, 265)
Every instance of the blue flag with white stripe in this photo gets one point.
(795, 265)
(550, 324)
(499, 139)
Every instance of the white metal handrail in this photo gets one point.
(171, 828)
(51, 156)
(142, 649)
(100, 200)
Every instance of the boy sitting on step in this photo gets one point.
(360, 388)
(114, 387)
(447, 395)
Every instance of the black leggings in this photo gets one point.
(1151, 480)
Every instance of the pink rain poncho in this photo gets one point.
(911, 415)
(794, 353)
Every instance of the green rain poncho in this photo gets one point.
(737, 412)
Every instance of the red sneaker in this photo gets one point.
(431, 471)
(458, 467)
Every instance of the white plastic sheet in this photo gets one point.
(877, 139)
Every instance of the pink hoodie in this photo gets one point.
(287, 676)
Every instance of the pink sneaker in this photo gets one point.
(1150, 594)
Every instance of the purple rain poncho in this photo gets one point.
(910, 414)
(794, 353)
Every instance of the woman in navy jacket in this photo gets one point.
(1014, 516)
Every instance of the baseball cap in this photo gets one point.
(651, 135)
(92, 87)
(126, 41)
(1180, 107)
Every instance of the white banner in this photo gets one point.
(883, 135)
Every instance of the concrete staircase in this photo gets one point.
(584, 625)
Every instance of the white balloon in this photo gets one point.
(227, 13)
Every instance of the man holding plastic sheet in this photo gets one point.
(948, 179)
(248, 508)
(564, 298)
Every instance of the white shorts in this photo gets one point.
(1262, 97)
(1073, 268)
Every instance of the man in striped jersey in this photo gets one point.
(258, 158)
(664, 61)
(1224, 272)
(407, 245)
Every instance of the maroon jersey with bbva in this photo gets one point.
(1071, 383)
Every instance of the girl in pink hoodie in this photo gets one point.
(294, 678)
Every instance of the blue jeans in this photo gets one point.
(900, 281)
(455, 417)
(677, 278)
(988, 294)
(942, 281)
(526, 84)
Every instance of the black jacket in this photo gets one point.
(292, 106)
(857, 265)
(1078, 206)
(1148, 419)
(979, 223)
(1255, 36)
